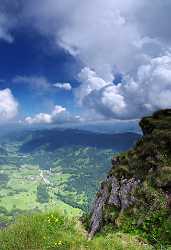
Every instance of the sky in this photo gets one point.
(77, 61)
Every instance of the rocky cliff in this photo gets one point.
(136, 195)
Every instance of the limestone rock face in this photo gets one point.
(121, 196)
(126, 193)
(139, 182)
(114, 198)
(97, 214)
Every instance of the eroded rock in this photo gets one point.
(119, 194)
(97, 211)
(126, 193)
(114, 198)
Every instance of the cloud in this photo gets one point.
(41, 83)
(4, 29)
(35, 82)
(8, 106)
(39, 119)
(110, 37)
(10, 13)
(63, 86)
(158, 13)
(88, 30)
(129, 37)
(59, 115)
(133, 98)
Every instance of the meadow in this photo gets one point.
(67, 179)
(55, 231)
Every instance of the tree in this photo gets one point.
(42, 193)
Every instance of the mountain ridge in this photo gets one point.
(135, 197)
(55, 138)
(82, 138)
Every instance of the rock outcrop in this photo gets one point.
(139, 183)
(113, 193)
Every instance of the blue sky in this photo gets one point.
(82, 61)
(30, 55)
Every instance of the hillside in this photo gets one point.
(132, 209)
(43, 169)
(136, 195)
(55, 231)
(52, 139)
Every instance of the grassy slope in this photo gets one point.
(150, 162)
(55, 231)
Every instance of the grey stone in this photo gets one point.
(116, 193)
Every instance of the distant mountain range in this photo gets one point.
(53, 139)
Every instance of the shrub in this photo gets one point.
(42, 193)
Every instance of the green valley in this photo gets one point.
(70, 177)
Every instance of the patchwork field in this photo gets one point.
(66, 179)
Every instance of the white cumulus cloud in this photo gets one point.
(41, 83)
(8, 106)
(129, 37)
(63, 86)
(58, 115)
(134, 97)
(39, 119)
(109, 37)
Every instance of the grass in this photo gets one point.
(71, 183)
(54, 231)
(20, 192)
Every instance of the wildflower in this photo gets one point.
(60, 243)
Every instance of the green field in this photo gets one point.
(66, 179)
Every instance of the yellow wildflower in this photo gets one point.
(60, 243)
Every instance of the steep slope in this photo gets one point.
(55, 231)
(136, 195)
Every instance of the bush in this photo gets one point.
(4, 178)
(156, 227)
(42, 193)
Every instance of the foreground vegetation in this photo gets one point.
(135, 198)
(55, 231)
(132, 209)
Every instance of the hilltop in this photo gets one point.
(136, 195)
